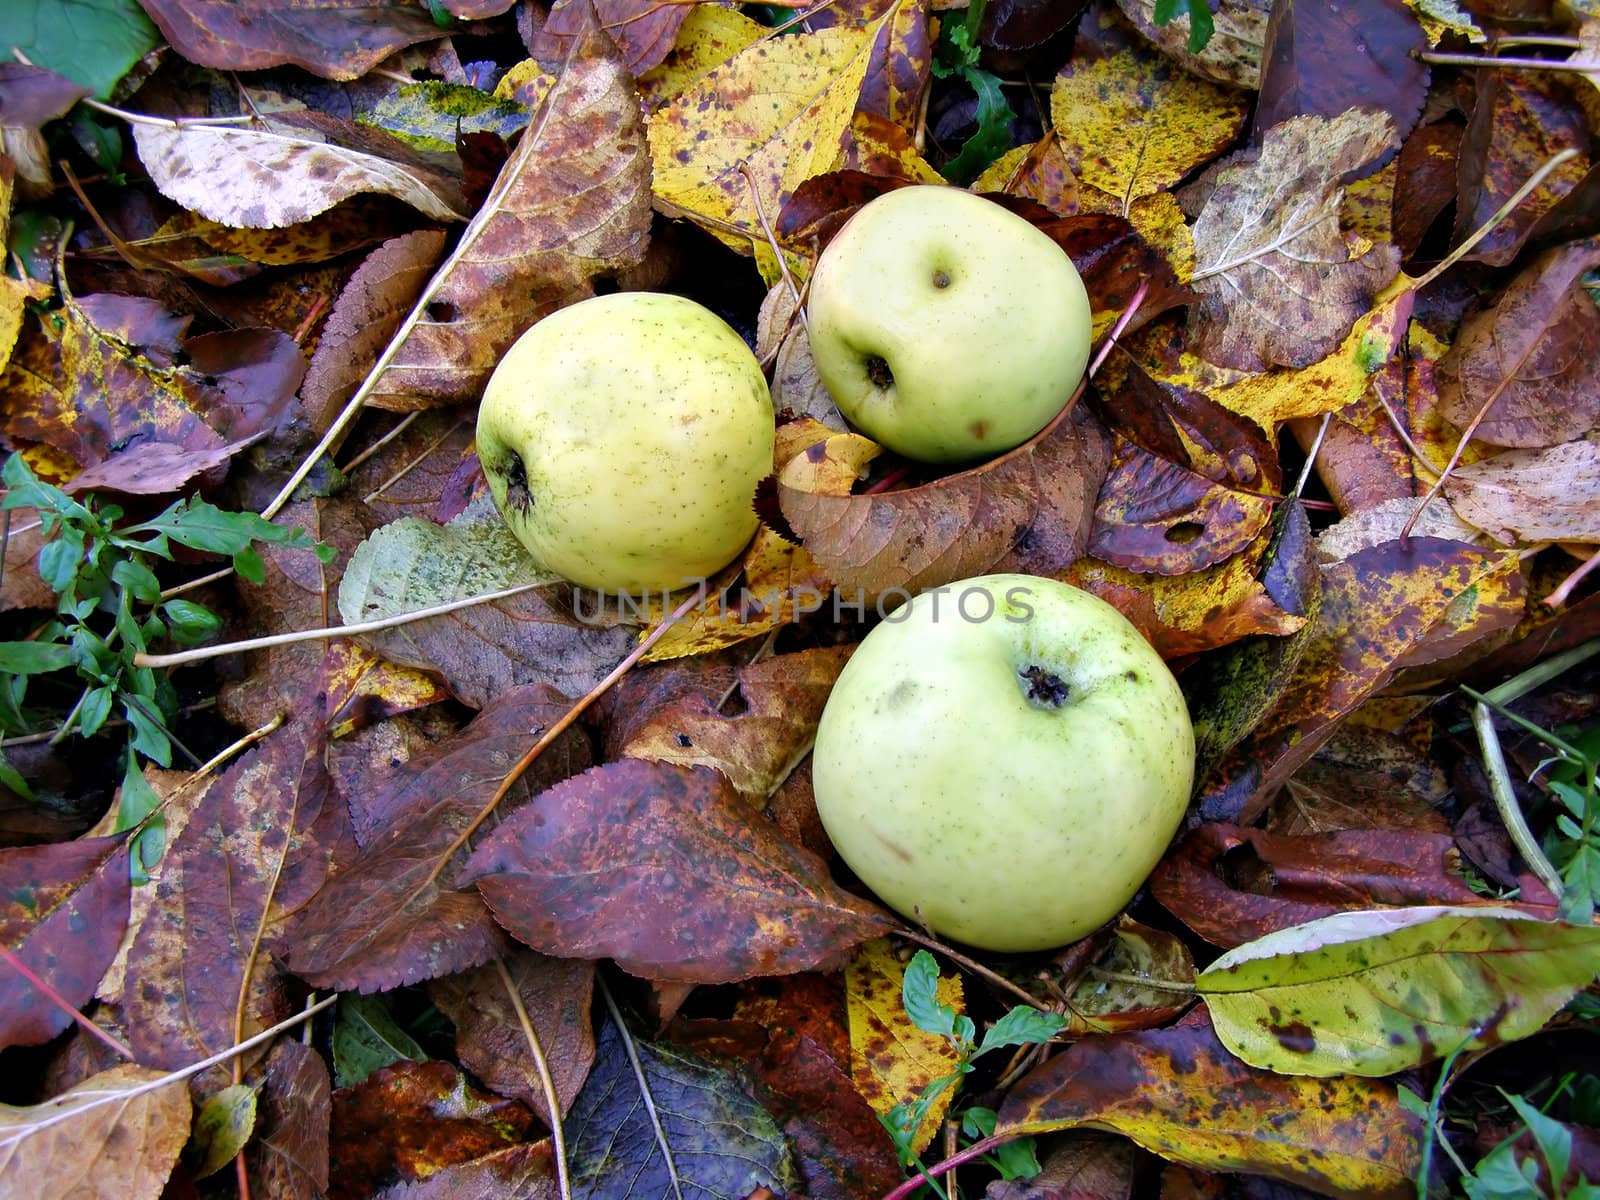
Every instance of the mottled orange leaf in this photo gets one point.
(572, 203)
(1180, 1094)
(1380, 607)
(891, 1060)
(667, 870)
(360, 688)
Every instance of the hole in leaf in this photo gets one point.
(441, 311)
(1185, 532)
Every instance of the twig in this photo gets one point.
(772, 240)
(329, 631)
(10, 956)
(977, 1150)
(408, 467)
(1505, 801)
(971, 964)
(644, 1087)
(400, 427)
(1144, 981)
(545, 1081)
(1521, 64)
(1565, 589)
(1311, 455)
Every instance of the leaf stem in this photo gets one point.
(977, 968)
(1521, 64)
(644, 1087)
(331, 631)
(977, 1150)
(10, 956)
(536, 1048)
(1505, 801)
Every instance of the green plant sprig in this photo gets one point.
(110, 606)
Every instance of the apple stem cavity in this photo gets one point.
(518, 494)
(879, 373)
(1042, 687)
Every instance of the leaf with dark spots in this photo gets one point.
(1425, 183)
(1532, 360)
(1231, 885)
(1519, 121)
(1115, 262)
(1180, 1094)
(65, 911)
(406, 1122)
(1378, 606)
(257, 844)
(1154, 515)
(337, 39)
(902, 54)
(659, 1120)
(1029, 509)
(1377, 992)
(1322, 58)
(668, 871)
(395, 916)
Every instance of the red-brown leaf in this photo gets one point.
(288, 1154)
(1232, 885)
(394, 916)
(65, 911)
(668, 871)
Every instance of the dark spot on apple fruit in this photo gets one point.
(1131, 676)
(518, 496)
(979, 429)
(878, 372)
(1042, 687)
(941, 279)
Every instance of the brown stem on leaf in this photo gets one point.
(977, 1150)
(974, 966)
(772, 240)
(1564, 591)
(10, 956)
(546, 1083)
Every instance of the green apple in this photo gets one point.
(946, 327)
(1004, 760)
(623, 438)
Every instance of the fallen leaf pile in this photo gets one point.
(1340, 461)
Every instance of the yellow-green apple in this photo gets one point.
(946, 327)
(1004, 760)
(623, 438)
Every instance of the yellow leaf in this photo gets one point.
(1133, 126)
(891, 1060)
(1368, 206)
(880, 147)
(778, 110)
(1039, 172)
(708, 37)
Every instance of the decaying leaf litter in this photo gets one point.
(1339, 468)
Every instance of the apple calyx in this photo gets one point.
(1042, 687)
(879, 373)
(518, 495)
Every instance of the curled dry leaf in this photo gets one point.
(1032, 507)
(669, 871)
(1232, 885)
(1533, 359)
(116, 1136)
(1180, 1094)
(783, 698)
(65, 911)
(1280, 283)
(644, 30)
(1110, 997)
(572, 203)
(281, 175)
(337, 39)
(394, 916)
(364, 318)
(1550, 495)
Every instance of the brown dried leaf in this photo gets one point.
(260, 842)
(1281, 285)
(1533, 359)
(154, 468)
(1233, 885)
(1233, 55)
(337, 39)
(783, 698)
(364, 318)
(1518, 122)
(557, 994)
(393, 916)
(668, 871)
(112, 1137)
(1109, 998)
(65, 911)
(644, 30)
(1550, 495)
(522, 1172)
(285, 173)
(288, 1156)
(571, 204)
(1029, 509)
